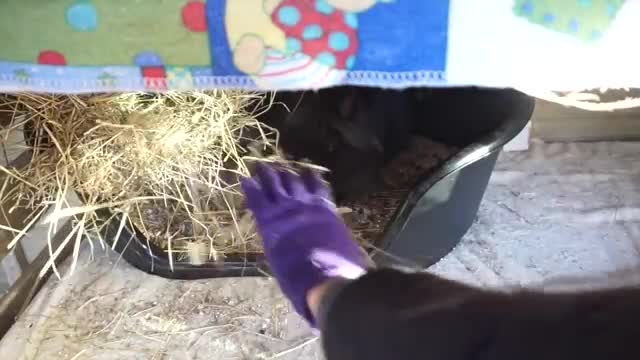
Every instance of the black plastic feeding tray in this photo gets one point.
(434, 215)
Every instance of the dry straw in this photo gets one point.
(587, 100)
(167, 164)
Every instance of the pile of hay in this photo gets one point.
(168, 164)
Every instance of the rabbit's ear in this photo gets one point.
(347, 106)
(358, 136)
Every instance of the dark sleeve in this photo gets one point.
(389, 314)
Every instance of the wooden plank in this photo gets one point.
(553, 122)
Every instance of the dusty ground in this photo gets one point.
(558, 211)
(112, 311)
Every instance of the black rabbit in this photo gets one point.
(352, 131)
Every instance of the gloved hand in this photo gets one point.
(305, 241)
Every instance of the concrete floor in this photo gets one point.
(559, 210)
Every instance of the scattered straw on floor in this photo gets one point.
(168, 164)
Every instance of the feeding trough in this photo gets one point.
(428, 219)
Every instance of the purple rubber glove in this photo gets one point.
(305, 241)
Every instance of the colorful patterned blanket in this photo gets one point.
(70, 46)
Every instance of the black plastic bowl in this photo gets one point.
(434, 215)
(441, 208)
(151, 259)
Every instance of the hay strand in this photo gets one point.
(166, 164)
(589, 101)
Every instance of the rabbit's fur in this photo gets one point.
(352, 131)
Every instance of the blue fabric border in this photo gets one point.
(421, 41)
(221, 56)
